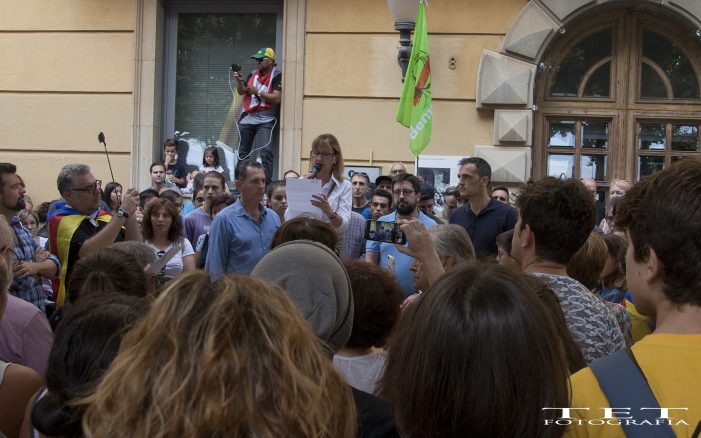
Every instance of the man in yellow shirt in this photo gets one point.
(661, 216)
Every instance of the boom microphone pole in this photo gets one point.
(101, 139)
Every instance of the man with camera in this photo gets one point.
(262, 91)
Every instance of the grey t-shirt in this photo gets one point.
(592, 325)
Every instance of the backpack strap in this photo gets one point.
(625, 386)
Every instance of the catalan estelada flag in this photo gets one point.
(415, 106)
(63, 222)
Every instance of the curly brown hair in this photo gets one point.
(377, 298)
(233, 357)
(175, 231)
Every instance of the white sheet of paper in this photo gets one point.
(299, 195)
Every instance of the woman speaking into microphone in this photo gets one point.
(336, 196)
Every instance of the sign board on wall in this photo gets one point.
(439, 171)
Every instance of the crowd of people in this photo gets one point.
(514, 311)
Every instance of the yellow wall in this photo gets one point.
(352, 80)
(67, 73)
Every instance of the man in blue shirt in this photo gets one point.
(240, 235)
(482, 217)
(406, 190)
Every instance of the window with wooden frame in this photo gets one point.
(618, 96)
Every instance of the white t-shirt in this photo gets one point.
(210, 168)
(174, 267)
(361, 372)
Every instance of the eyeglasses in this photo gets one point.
(377, 204)
(324, 155)
(499, 198)
(199, 199)
(91, 188)
(502, 254)
(405, 192)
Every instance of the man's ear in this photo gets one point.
(654, 267)
(527, 236)
(237, 183)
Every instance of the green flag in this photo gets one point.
(415, 108)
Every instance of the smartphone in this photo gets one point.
(390, 263)
(235, 67)
(383, 231)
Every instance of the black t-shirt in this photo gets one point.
(85, 231)
(374, 416)
(484, 227)
(178, 171)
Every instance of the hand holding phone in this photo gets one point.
(390, 263)
(384, 231)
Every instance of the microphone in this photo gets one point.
(315, 170)
(101, 139)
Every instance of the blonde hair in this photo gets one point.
(232, 357)
(332, 142)
(621, 184)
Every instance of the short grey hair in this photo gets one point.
(67, 175)
(452, 240)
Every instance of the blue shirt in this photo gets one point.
(485, 226)
(401, 260)
(237, 242)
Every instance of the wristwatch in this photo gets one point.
(121, 213)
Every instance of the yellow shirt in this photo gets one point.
(640, 323)
(672, 365)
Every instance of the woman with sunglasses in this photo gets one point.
(162, 230)
(336, 197)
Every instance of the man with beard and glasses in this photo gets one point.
(27, 260)
(406, 190)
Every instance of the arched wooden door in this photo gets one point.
(618, 96)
